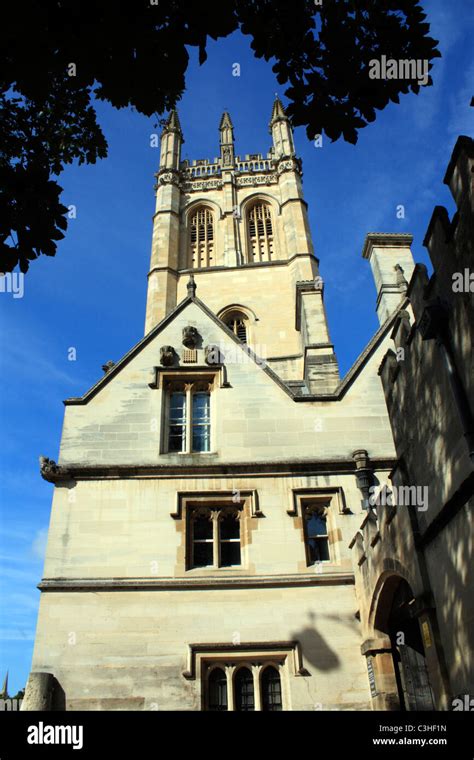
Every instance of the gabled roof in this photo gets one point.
(113, 371)
(337, 394)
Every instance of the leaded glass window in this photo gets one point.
(217, 685)
(177, 422)
(271, 690)
(189, 417)
(214, 536)
(201, 433)
(244, 691)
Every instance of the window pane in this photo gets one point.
(230, 553)
(229, 526)
(318, 549)
(201, 404)
(244, 697)
(177, 438)
(177, 422)
(201, 438)
(217, 690)
(201, 422)
(202, 554)
(271, 690)
(316, 525)
(202, 528)
(178, 407)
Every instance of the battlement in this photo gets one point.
(204, 167)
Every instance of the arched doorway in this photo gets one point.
(395, 618)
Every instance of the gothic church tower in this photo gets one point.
(209, 484)
(239, 224)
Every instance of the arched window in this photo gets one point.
(244, 693)
(271, 689)
(260, 230)
(217, 690)
(201, 238)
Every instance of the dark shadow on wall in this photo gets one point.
(314, 647)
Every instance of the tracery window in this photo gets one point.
(202, 238)
(260, 231)
(189, 417)
(243, 685)
(214, 536)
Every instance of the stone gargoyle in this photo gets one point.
(190, 336)
(48, 468)
(167, 355)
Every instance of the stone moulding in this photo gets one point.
(297, 495)
(226, 497)
(203, 582)
(190, 468)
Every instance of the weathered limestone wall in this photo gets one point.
(124, 528)
(428, 388)
(128, 650)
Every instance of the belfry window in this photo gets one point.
(238, 327)
(260, 230)
(201, 238)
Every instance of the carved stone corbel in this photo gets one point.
(51, 471)
(167, 356)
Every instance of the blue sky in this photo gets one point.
(91, 296)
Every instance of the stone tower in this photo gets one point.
(209, 484)
(239, 224)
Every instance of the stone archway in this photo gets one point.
(400, 662)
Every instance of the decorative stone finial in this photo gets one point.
(191, 286)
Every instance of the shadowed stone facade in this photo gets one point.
(209, 484)
(414, 582)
